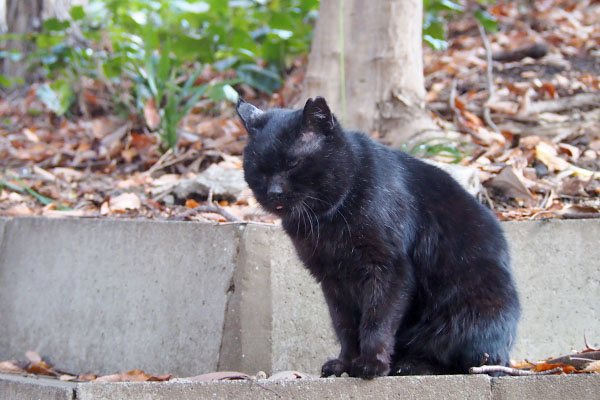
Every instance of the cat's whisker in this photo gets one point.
(309, 218)
(338, 211)
(318, 226)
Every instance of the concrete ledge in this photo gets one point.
(108, 296)
(418, 387)
(581, 387)
(14, 387)
(547, 387)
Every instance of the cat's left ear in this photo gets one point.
(317, 116)
(249, 115)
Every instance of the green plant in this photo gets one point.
(443, 147)
(257, 38)
(436, 12)
(157, 82)
(23, 188)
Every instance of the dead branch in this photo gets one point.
(211, 209)
(536, 50)
(488, 369)
(565, 103)
(579, 360)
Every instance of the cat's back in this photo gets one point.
(418, 198)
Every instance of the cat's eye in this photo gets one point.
(292, 164)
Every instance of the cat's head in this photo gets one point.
(295, 159)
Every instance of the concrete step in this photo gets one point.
(109, 296)
(559, 387)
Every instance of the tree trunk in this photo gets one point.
(26, 16)
(383, 66)
(21, 17)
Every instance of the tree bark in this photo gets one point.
(21, 17)
(383, 66)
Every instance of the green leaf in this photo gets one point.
(58, 96)
(436, 44)
(191, 101)
(191, 80)
(54, 24)
(259, 78)
(488, 21)
(195, 7)
(23, 188)
(113, 66)
(446, 5)
(77, 13)
(434, 27)
(164, 63)
(12, 55)
(225, 63)
(189, 48)
(5, 81)
(223, 91)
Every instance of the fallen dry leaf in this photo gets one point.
(132, 376)
(19, 210)
(32, 356)
(547, 154)
(124, 202)
(40, 368)
(151, 114)
(9, 367)
(511, 185)
(593, 367)
(62, 213)
(567, 369)
(191, 203)
(218, 376)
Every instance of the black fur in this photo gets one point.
(416, 273)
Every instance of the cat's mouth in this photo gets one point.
(278, 207)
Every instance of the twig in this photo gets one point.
(208, 208)
(452, 99)
(487, 369)
(158, 164)
(490, 78)
(587, 345)
(165, 162)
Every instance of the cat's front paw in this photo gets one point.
(368, 368)
(333, 367)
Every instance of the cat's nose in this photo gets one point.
(276, 186)
(275, 189)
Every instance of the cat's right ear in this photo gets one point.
(317, 116)
(249, 115)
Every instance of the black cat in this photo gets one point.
(416, 273)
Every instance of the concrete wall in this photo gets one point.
(188, 298)
(106, 296)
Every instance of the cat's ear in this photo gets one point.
(317, 116)
(249, 115)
